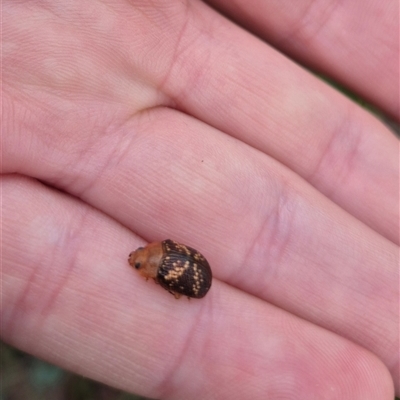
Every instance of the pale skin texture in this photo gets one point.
(162, 119)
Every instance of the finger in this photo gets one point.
(70, 297)
(354, 42)
(267, 231)
(270, 103)
(265, 100)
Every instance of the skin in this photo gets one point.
(126, 122)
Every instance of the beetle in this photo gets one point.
(178, 268)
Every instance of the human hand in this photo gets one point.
(127, 122)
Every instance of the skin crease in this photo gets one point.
(127, 122)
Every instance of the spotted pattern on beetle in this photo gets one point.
(194, 274)
(178, 268)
